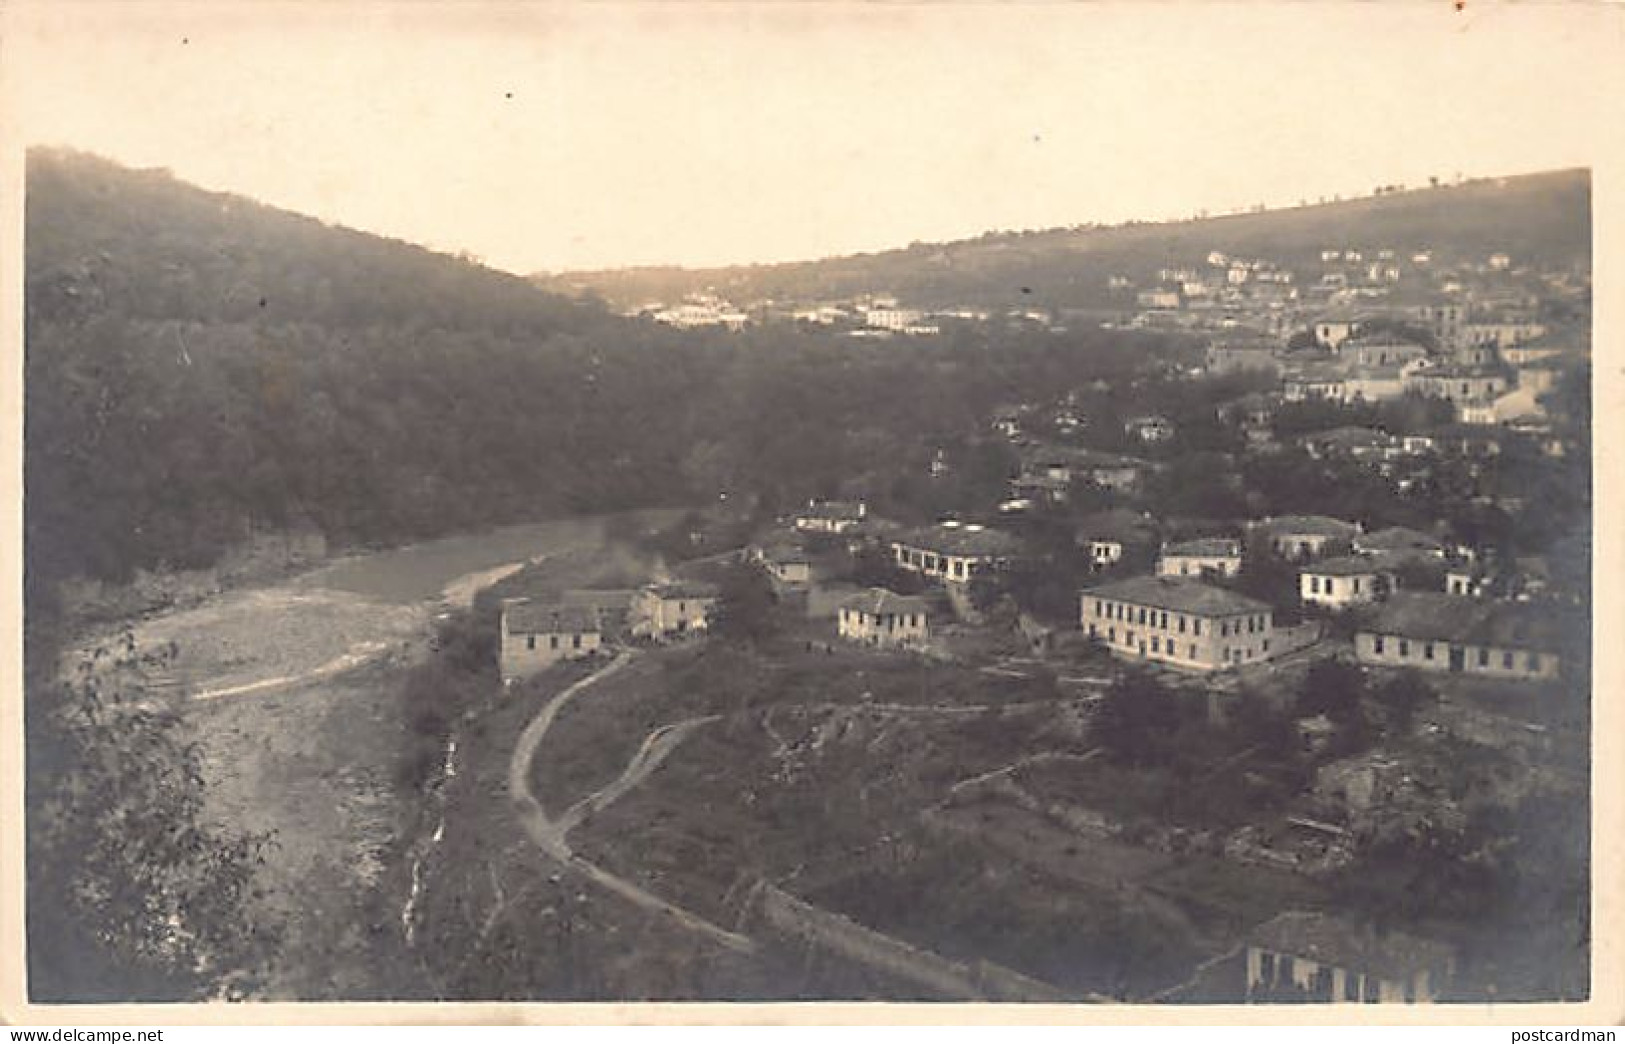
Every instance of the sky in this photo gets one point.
(551, 137)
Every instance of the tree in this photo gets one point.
(134, 894)
(1334, 688)
(1136, 721)
(1401, 697)
(745, 611)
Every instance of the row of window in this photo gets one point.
(1167, 647)
(893, 621)
(1509, 659)
(1159, 618)
(1330, 584)
(553, 641)
(931, 562)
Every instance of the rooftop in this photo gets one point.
(1331, 940)
(961, 541)
(1310, 525)
(877, 601)
(1397, 538)
(1179, 594)
(1432, 616)
(1344, 565)
(526, 617)
(1204, 547)
(684, 589)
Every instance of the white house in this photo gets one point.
(952, 553)
(831, 516)
(1339, 583)
(1219, 555)
(879, 617)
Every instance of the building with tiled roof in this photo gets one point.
(830, 516)
(1398, 540)
(952, 553)
(1304, 536)
(536, 635)
(882, 618)
(1307, 956)
(1338, 583)
(1219, 555)
(1432, 631)
(1177, 621)
(678, 608)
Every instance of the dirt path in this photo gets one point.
(549, 834)
(654, 749)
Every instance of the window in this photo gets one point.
(1128, 637)
(1377, 644)
(575, 641)
(1224, 628)
(1100, 607)
(1427, 651)
(1142, 615)
(1196, 628)
(530, 641)
(552, 641)
(1192, 653)
(1266, 968)
(1483, 657)
(1156, 644)
(1314, 585)
(1532, 661)
(1506, 660)
(1351, 986)
(1356, 582)
(1404, 648)
(1091, 630)
(1111, 634)
(1181, 625)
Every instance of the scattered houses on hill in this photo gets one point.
(1178, 621)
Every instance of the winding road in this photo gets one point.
(551, 835)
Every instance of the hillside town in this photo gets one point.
(1344, 540)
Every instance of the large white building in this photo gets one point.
(1341, 583)
(1431, 631)
(1180, 622)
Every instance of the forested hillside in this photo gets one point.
(1543, 218)
(201, 368)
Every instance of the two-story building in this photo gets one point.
(881, 618)
(676, 608)
(1178, 621)
(1432, 631)
(536, 635)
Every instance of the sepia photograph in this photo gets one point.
(1038, 505)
